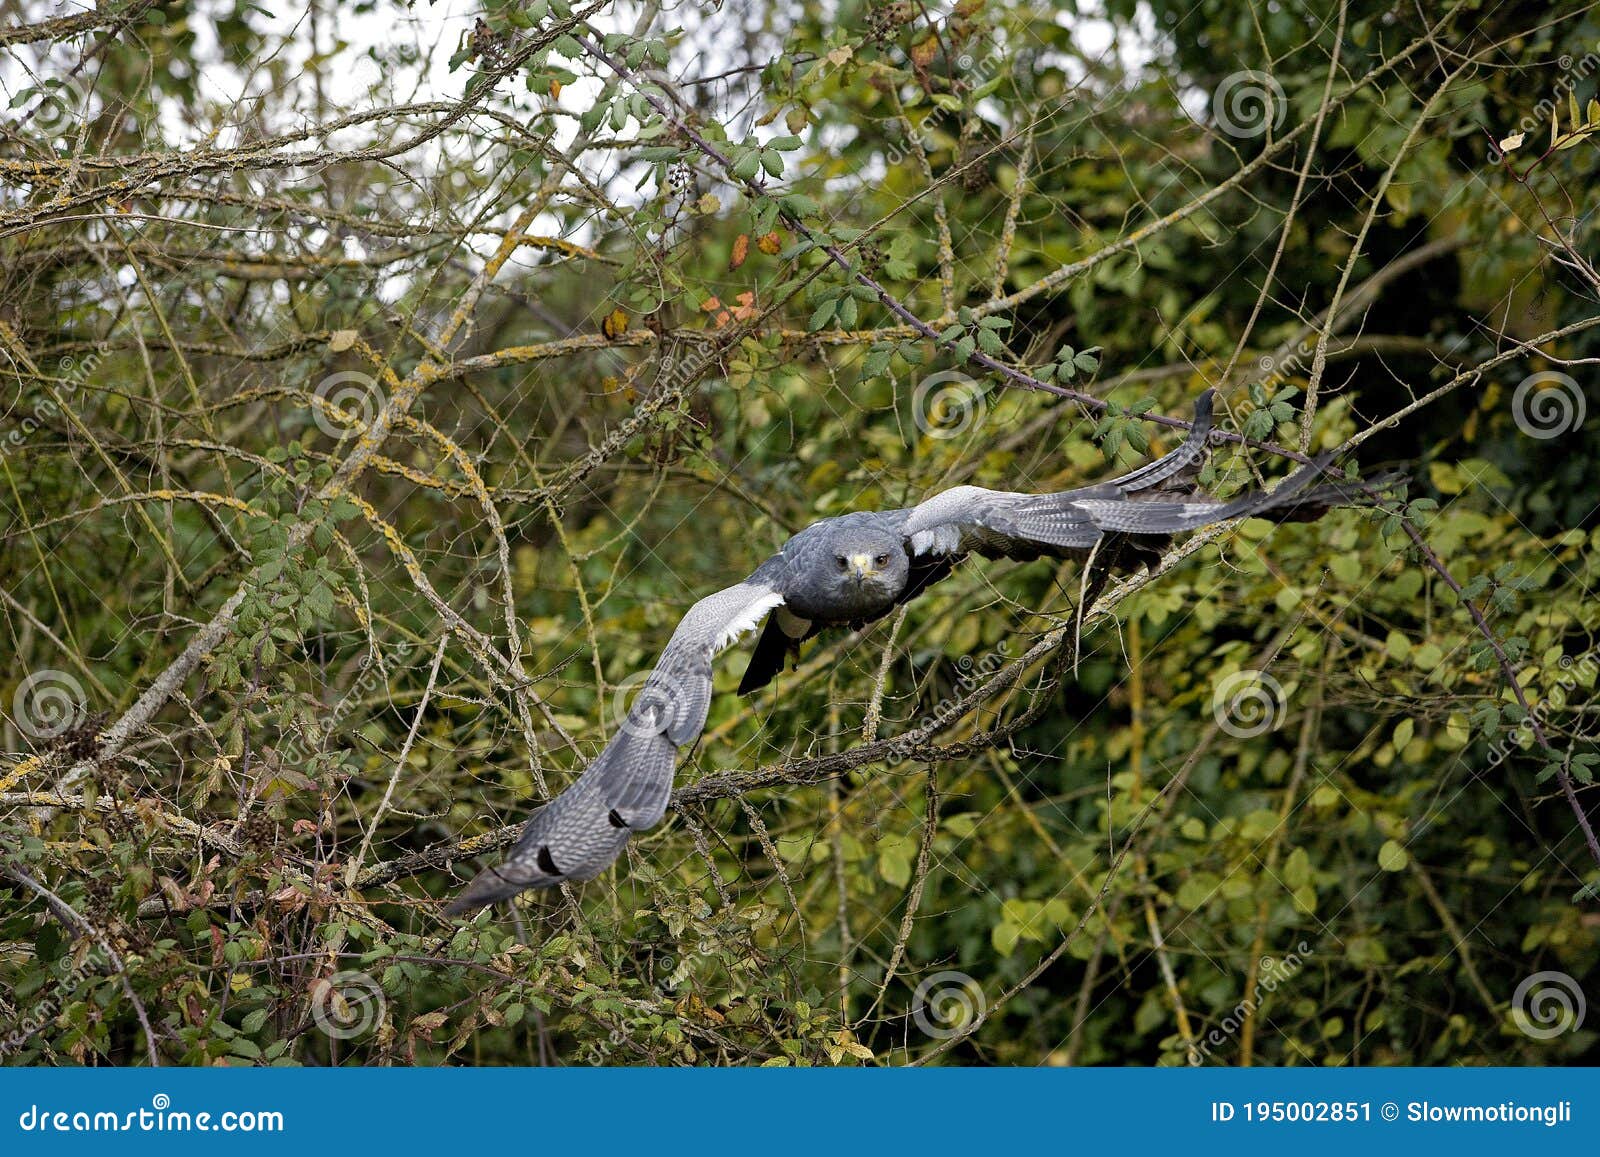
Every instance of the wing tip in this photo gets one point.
(473, 898)
(464, 905)
(495, 884)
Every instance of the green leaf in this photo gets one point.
(1393, 857)
(1427, 657)
(877, 360)
(798, 206)
(895, 869)
(1402, 734)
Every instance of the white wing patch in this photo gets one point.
(748, 616)
(944, 539)
(935, 525)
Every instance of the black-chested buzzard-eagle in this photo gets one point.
(850, 570)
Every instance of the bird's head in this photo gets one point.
(862, 557)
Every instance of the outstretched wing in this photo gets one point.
(626, 789)
(998, 523)
(941, 544)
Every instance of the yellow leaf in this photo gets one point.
(1402, 734)
(615, 324)
(342, 339)
(428, 1021)
(1512, 142)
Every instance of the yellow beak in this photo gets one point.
(861, 564)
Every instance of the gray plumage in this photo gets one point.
(846, 571)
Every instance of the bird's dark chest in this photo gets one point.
(843, 604)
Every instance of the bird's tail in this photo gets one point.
(767, 661)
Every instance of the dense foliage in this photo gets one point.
(378, 385)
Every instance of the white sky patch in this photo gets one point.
(397, 54)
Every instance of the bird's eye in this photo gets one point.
(843, 562)
(882, 560)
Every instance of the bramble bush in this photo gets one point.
(379, 389)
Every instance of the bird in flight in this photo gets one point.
(848, 571)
